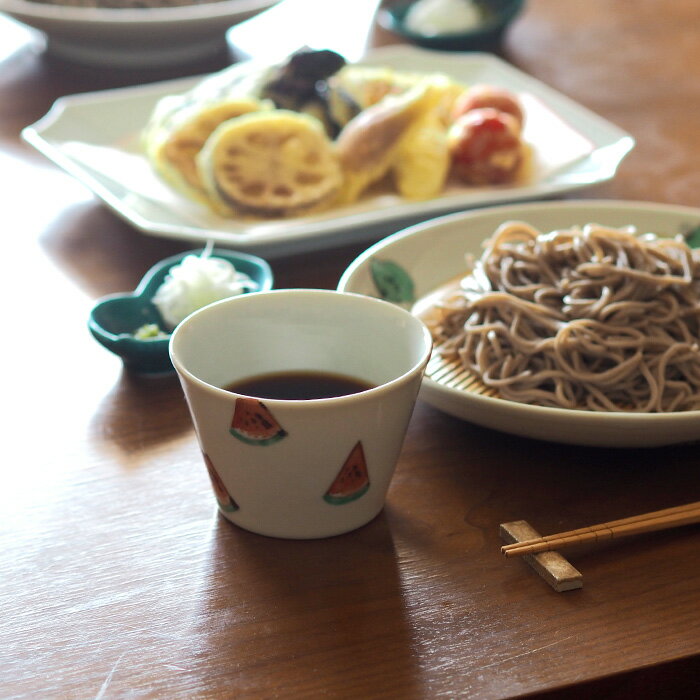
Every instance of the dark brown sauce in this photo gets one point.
(299, 385)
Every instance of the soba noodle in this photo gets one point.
(595, 318)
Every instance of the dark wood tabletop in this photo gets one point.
(118, 579)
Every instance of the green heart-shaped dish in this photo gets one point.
(115, 318)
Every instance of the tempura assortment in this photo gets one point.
(316, 132)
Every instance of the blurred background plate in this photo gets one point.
(134, 37)
(424, 257)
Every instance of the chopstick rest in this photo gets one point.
(551, 566)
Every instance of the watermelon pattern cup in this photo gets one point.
(300, 468)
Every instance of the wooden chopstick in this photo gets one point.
(648, 522)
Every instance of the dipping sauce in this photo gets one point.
(299, 385)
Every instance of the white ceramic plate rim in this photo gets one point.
(74, 119)
(156, 15)
(557, 425)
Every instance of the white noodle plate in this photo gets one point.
(433, 253)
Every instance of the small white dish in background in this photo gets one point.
(96, 138)
(452, 25)
(418, 260)
(134, 37)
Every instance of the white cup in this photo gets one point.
(301, 468)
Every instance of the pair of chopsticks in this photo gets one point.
(648, 522)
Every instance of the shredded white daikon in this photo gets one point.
(196, 282)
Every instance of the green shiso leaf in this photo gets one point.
(392, 282)
(692, 237)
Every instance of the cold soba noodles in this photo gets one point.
(595, 318)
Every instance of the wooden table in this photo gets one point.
(118, 578)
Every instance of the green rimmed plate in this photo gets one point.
(424, 257)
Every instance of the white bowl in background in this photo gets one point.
(132, 38)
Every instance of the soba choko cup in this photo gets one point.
(292, 467)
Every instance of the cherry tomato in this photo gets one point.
(482, 96)
(485, 147)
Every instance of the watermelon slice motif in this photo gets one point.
(352, 480)
(253, 423)
(223, 497)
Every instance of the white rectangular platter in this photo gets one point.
(96, 138)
